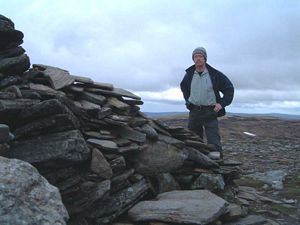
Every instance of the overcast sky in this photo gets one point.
(145, 46)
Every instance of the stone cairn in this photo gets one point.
(91, 140)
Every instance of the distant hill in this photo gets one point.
(164, 114)
(273, 115)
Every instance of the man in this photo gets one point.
(201, 87)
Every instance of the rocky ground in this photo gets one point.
(269, 149)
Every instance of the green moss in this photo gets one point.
(291, 188)
(283, 209)
(250, 182)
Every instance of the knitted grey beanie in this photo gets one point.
(200, 50)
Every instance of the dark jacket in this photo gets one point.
(220, 83)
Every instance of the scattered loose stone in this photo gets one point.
(275, 178)
(185, 207)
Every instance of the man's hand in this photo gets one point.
(218, 107)
(188, 105)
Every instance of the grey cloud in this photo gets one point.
(146, 46)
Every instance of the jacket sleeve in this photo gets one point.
(227, 89)
(184, 88)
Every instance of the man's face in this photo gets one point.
(199, 60)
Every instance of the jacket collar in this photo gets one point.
(192, 69)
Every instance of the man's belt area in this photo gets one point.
(201, 107)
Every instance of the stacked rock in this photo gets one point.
(91, 140)
(5, 136)
(13, 61)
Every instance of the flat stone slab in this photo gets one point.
(85, 80)
(250, 220)
(131, 134)
(59, 78)
(117, 103)
(115, 92)
(52, 150)
(94, 98)
(103, 144)
(183, 207)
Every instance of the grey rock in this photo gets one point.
(52, 124)
(16, 105)
(11, 108)
(52, 150)
(6, 24)
(46, 91)
(45, 109)
(105, 111)
(4, 133)
(133, 102)
(106, 86)
(249, 220)
(118, 164)
(114, 102)
(30, 94)
(199, 158)
(98, 135)
(150, 132)
(15, 65)
(9, 37)
(27, 197)
(166, 182)
(234, 212)
(84, 80)
(4, 148)
(122, 177)
(94, 98)
(103, 144)
(133, 147)
(171, 140)
(14, 89)
(90, 84)
(90, 193)
(131, 134)
(184, 207)
(274, 177)
(99, 165)
(119, 118)
(229, 172)
(10, 80)
(212, 182)
(104, 211)
(158, 128)
(118, 92)
(204, 148)
(88, 106)
(229, 162)
(214, 155)
(115, 122)
(158, 157)
(121, 142)
(7, 95)
(137, 121)
(58, 78)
